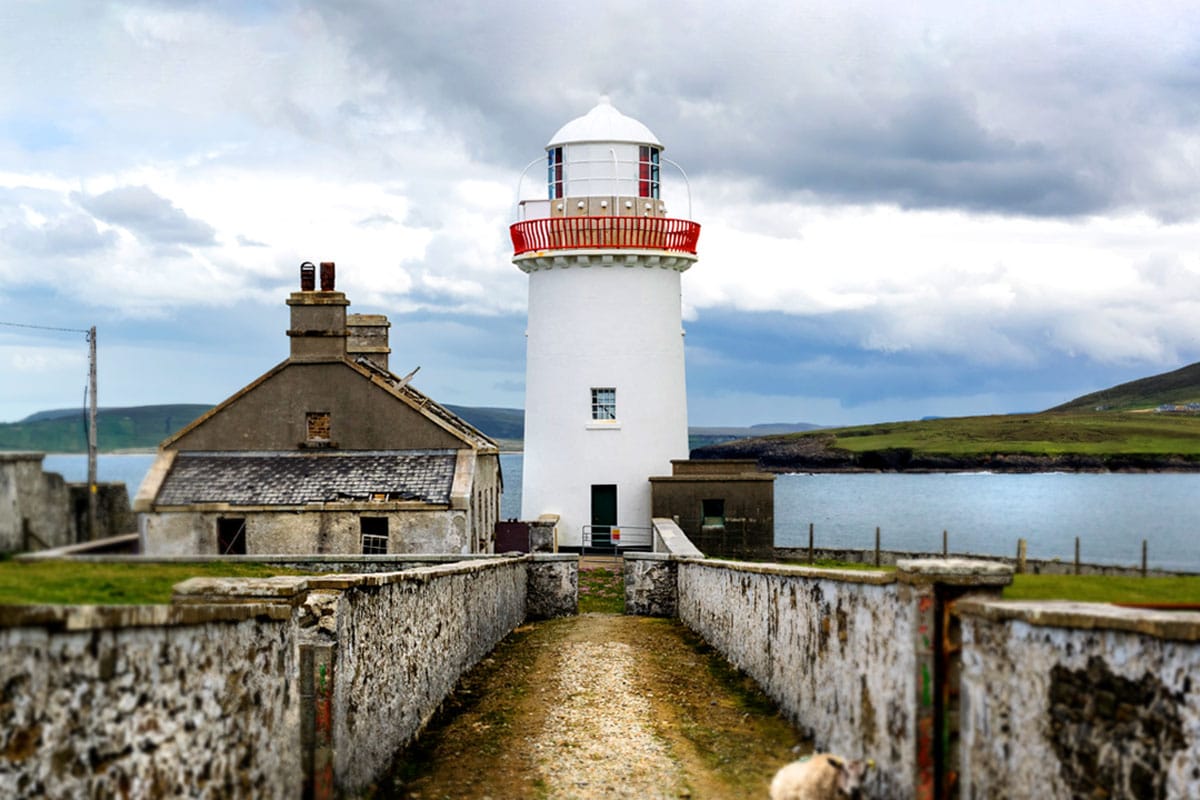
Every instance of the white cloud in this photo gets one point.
(989, 184)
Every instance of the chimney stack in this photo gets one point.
(368, 338)
(318, 330)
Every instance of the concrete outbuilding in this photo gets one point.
(725, 506)
(328, 452)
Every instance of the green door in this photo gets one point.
(604, 513)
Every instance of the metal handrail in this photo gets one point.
(568, 233)
(618, 537)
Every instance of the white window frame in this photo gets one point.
(604, 405)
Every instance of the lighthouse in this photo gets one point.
(605, 393)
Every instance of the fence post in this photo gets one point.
(1076, 555)
(810, 543)
(877, 545)
(1143, 558)
(945, 542)
(1020, 556)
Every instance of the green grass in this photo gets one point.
(83, 583)
(601, 591)
(1105, 589)
(1036, 434)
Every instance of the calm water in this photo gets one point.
(984, 513)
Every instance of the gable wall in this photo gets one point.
(271, 416)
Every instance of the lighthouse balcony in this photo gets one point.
(604, 232)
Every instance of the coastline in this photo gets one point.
(813, 455)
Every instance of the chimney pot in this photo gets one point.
(308, 276)
(327, 276)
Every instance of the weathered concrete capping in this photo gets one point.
(1182, 626)
(240, 590)
(670, 538)
(91, 618)
(875, 577)
(552, 586)
(954, 572)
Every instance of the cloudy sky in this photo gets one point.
(963, 208)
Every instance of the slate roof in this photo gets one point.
(286, 479)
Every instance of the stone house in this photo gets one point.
(328, 452)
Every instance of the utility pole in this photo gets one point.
(92, 489)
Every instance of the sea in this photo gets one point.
(982, 513)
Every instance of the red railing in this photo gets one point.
(568, 233)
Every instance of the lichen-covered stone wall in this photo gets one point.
(250, 687)
(552, 588)
(402, 642)
(1065, 700)
(148, 702)
(834, 648)
(651, 585)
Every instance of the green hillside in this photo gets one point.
(65, 431)
(498, 423)
(1180, 386)
(1032, 434)
(1012, 443)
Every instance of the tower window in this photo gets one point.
(554, 172)
(604, 403)
(374, 535)
(648, 171)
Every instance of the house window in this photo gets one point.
(374, 535)
(604, 403)
(554, 172)
(712, 513)
(648, 171)
(317, 425)
(231, 536)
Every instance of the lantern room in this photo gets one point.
(599, 166)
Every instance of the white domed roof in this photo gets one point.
(603, 124)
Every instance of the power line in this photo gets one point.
(44, 327)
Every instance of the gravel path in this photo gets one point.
(598, 706)
(596, 739)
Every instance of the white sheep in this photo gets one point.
(821, 776)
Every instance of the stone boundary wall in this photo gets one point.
(1063, 700)
(651, 579)
(403, 640)
(243, 687)
(834, 648)
(149, 701)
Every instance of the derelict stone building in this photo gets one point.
(328, 452)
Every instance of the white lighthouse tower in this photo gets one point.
(605, 396)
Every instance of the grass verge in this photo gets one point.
(1105, 589)
(601, 591)
(87, 583)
